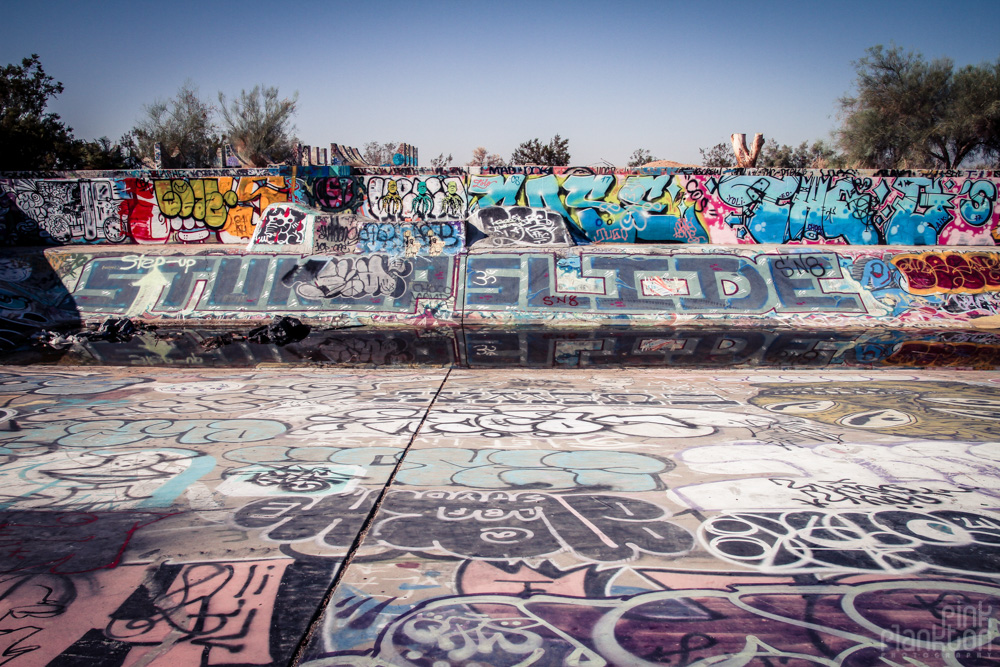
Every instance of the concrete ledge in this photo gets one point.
(813, 286)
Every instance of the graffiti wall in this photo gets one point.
(412, 274)
(522, 204)
(228, 284)
(512, 245)
(691, 206)
(710, 517)
(676, 286)
(146, 207)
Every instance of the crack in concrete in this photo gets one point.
(317, 618)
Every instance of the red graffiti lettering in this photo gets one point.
(950, 272)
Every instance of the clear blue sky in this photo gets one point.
(610, 76)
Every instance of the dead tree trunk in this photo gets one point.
(747, 157)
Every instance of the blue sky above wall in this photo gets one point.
(449, 76)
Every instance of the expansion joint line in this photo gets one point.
(314, 624)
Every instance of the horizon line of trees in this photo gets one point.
(906, 113)
(256, 123)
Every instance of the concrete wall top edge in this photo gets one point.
(347, 170)
(412, 210)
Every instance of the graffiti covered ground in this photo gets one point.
(640, 517)
(133, 509)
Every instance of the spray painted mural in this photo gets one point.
(529, 517)
(677, 286)
(249, 286)
(595, 205)
(414, 275)
(141, 207)
(704, 206)
(535, 566)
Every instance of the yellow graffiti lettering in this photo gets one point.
(166, 199)
(198, 199)
(185, 193)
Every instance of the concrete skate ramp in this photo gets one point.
(704, 347)
(594, 205)
(574, 286)
(528, 246)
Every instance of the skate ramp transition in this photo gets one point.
(531, 246)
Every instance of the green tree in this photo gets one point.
(184, 128)
(975, 112)
(30, 138)
(258, 125)
(907, 112)
(555, 153)
(718, 156)
(819, 155)
(639, 157)
(102, 154)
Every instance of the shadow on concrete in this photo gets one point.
(33, 297)
(693, 347)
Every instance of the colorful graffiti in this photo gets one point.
(749, 623)
(227, 285)
(705, 283)
(417, 272)
(416, 198)
(625, 209)
(570, 517)
(139, 207)
(949, 272)
(859, 210)
(592, 205)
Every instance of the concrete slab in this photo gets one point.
(138, 507)
(501, 517)
(656, 517)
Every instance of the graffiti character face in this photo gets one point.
(452, 188)
(391, 188)
(421, 188)
(932, 410)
